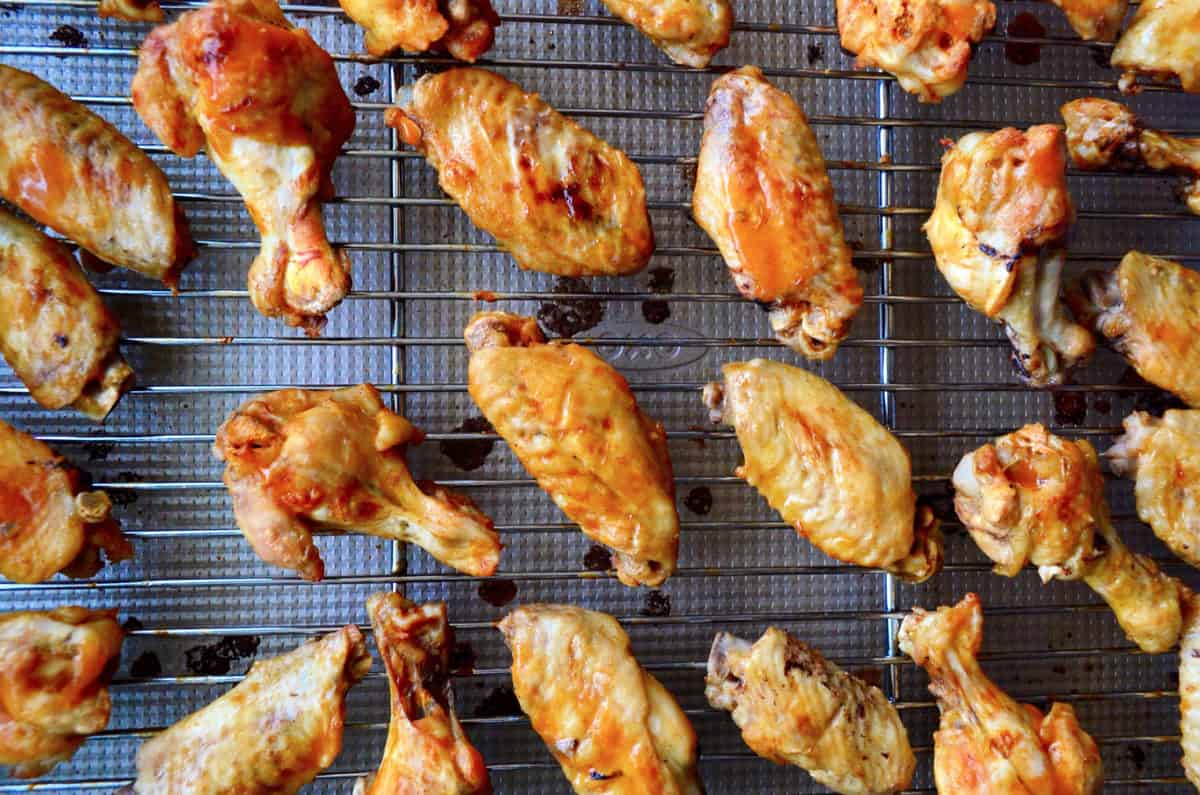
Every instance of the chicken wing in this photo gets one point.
(264, 100)
(463, 28)
(1149, 311)
(54, 670)
(427, 752)
(556, 197)
(926, 44)
(1189, 691)
(690, 32)
(299, 460)
(795, 707)
(48, 523)
(1095, 19)
(270, 735)
(762, 194)
(73, 171)
(831, 470)
(574, 424)
(55, 332)
(613, 728)
(132, 10)
(1162, 40)
(987, 743)
(997, 230)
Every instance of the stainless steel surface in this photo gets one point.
(935, 372)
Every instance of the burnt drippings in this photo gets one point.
(1136, 755)
(122, 497)
(69, 36)
(656, 605)
(815, 54)
(570, 316)
(1101, 405)
(662, 280)
(216, 659)
(145, 666)
(462, 658)
(499, 703)
(699, 500)
(1101, 56)
(1070, 408)
(655, 311)
(598, 558)
(497, 593)
(365, 85)
(98, 451)
(469, 454)
(1026, 26)
(131, 624)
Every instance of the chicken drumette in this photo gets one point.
(613, 728)
(690, 32)
(299, 460)
(463, 28)
(264, 100)
(763, 196)
(795, 707)
(997, 232)
(1162, 41)
(987, 743)
(1189, 690)
(1095, 19)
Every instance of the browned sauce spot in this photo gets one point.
(1102, 405)
(500, 702)
(657, 604)
(655, 311)
(1024, 25)
(597, 558)
(497, 593)
(366, 85)
(98, 451)
(1070, 408)
(815, 53)
(145, 666)
(69, 36)
(468, 454)
(132, 624)
(570, 316)
(662, 280)
(699, 500)
(216, 659)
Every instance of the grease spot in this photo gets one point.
(1024, 25)
(699, 500)
(657, 604)
(366, 85)
(1070, 408)
(216, 659)
(98, 451)
(462, 659)
(662, 280)
(69, 36)
(1102, 405)
(656, 311)
(497, 593)
(469, 454)
(815, 53)
(145, 666)
(598, 558)
(570, 316)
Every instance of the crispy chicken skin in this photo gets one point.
(132, 10)
(1095, 20)
(264, 100)
(427, 752)
(574, 424)
(690, 32)
(987, 743)
(463, 28)
(613, 728)
(1189, 690)
(48, 523)
(54, 670)
(1162, 40)
(795, 707)
(556, 197)
(55, 332)
(302, 460)
(997, 230)
(1149, 311)
(73, 171)
(270, 735)
(926, 44)
(831, 470)
(762, 194)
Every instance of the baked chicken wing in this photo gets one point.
(1189, 691)
(556, 197)
(427, 752)
(926, 44)
(463, 28)
(270, 735)
(997, 232)
(690, 32)
(795, 707)
(1095, 19)
(55, 332)
(987, 743)
(264, 100)
(1149, 311)
(54, 670)
(132, 10)
(48, 523)
(1162, 41)
(762, 194)
(831, 470)
(73, 171)
(298, 460)
(613, 728)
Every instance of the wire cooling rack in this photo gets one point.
(200, 606)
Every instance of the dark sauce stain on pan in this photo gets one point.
(499, 703)
(69, 36)
(598, 558)
(699, 500)
(657, 604)
(1027, 26)
(216, 659)
(1070, 408)
(469, 454)
(497, 593)
(570, 316)
(146, 666)
(462, 659)
(366, 85)
(662, 280)
(655, 311)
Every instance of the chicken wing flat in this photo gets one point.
(132, 10)
(997, 229)
(762, 194)
(1095, 19)
(301, 460)
(55, 332)
(831, 470)
(794, 707)
(1162, 41)
(690, 32)
(427, 752)
(926, 44)
(48, 523)
(1149, 311)
(270, 735)
(463, 28)
(265, 101)
(54, 671)
(1189, 691)
(987, 743)
(556, 197)
(73, 171)
(613, 728)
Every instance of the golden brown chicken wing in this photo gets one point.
(987, 743)
(612, 727)
(763, 196)
(831, 470)
(1162, 41)
(54, 670)
(55, 332)
(73, 171)
(795, 707)
(1189, 690)
(270, 735)
(1095, 19)
(926, 44)
(558, 198)
(1149, 311)
(574, 424)
(463, 28)
(690, 32)
(299, 460)
(997, 230)
(48, 523)
(132, 10)
(427, 752)
(264, 100)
